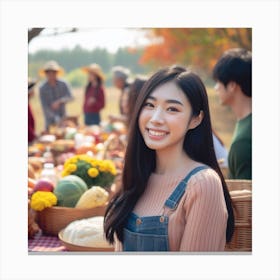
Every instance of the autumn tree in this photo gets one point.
(196, 47)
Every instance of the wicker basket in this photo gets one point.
(241, 195)
(52, 220)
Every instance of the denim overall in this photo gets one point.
(150, 233)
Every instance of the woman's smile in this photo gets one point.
(156, 134)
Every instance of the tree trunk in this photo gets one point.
(34, 32)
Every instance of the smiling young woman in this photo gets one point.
(159, 119)
(173, 196)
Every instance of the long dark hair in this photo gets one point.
(140, 160)
(134, 91)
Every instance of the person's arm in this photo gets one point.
(206, 215)
(220, 151)
(66, 95)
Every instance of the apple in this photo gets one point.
(44, 185)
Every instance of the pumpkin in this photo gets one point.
(86, 148)
(31, 183)
(69, 190)
(93, 197)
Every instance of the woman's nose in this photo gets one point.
(157, 116)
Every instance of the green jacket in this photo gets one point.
(240, 153)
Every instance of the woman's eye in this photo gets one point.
(148, 105)
(172, 109)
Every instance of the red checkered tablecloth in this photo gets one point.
(44, 243)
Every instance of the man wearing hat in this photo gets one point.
(94, 99)
(120, 81)
(54, 94)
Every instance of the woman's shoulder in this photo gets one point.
(205, 179)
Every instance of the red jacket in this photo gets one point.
(98, 94)
(31, 125)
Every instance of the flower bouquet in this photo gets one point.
(93, 171)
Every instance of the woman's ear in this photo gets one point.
(196, 120)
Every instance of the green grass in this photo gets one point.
(223, 120)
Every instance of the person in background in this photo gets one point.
(94, 99)
(133, 92)
(233, 76)
(220, 150)
(54, 94)
(121, 82)
(31, 120)
(173, 195)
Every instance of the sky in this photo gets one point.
(89, 38)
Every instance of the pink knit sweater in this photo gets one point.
(199, 222)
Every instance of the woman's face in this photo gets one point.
(92, 78)
(165, 117)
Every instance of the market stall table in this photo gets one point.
(45, 243)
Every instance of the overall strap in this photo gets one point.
(174, 198)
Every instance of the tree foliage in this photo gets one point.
(73, 59)
(198, 47)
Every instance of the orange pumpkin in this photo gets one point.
(86, 148)
(31, 183)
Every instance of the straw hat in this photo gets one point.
(96, 69)
(51, 65)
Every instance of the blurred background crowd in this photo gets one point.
(79, 89)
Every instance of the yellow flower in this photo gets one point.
(93, 172)
(109, 167)
(94, 162)
(64, 173)
(85, 158)
(41, 200)
(72, 167)
(102, 167)
(113, 170)
(70, 161)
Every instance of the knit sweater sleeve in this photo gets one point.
(205, 214)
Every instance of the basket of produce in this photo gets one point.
(53, 219)
(241, 196)
(83, 191)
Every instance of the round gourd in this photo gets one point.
(69, 190)
(93, 197)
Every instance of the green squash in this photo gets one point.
(68, 190)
